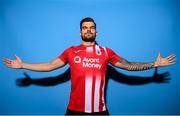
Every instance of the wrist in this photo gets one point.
(23, 65)
(155, 64)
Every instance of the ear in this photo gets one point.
(96, 33)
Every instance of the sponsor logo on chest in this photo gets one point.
(88, 62)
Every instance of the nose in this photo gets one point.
(88, 31)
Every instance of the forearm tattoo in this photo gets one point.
(134, 66)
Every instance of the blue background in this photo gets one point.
(40, 30)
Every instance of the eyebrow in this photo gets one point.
(86, 26)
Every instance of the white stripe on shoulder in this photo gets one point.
(105, 51)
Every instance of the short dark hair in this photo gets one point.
(87, 19)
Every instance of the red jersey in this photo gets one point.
(88, 66)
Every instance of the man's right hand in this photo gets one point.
(17, 63)
(47, 66)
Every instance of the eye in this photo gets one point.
(84, 28)
(92, 27)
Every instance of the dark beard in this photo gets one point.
(92, 39)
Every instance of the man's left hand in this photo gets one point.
(169, 60)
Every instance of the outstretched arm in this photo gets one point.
(138, 66)
(19, 64)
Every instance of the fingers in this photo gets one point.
(8, 64)
(12, 63)
(171, 58)
(159, 54)
(7, 61)
(172, 63)
(17, 57)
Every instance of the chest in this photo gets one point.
(81, 59)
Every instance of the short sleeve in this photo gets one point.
(64, 56)
(112, 56)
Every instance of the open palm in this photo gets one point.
(17, 63)
(165, 61)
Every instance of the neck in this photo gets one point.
(88, 43)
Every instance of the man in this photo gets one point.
(88, 64)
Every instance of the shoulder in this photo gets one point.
(72, 48)
(101, 47)
(105, 48)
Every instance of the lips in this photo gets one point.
(88, 34)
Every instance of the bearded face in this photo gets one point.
(88, 32)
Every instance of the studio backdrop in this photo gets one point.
(40, 30)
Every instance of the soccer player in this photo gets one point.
(88, 63)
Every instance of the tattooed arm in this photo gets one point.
(133, 66)
(138, 66)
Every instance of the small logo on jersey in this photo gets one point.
(77, 59)
(98, 52)
(78, 51)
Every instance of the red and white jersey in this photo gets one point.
(88, 66)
